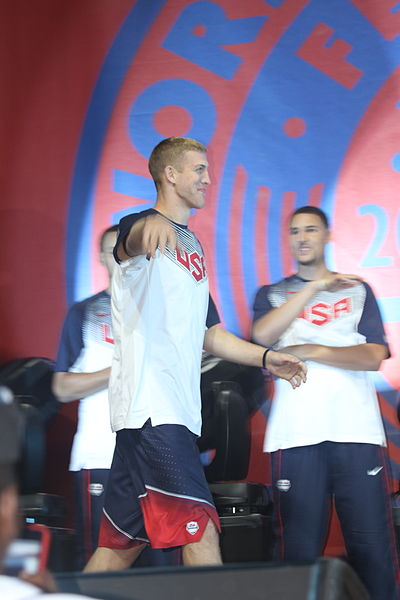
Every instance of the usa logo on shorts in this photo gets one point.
(192, 527)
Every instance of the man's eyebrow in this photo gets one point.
(304, 227)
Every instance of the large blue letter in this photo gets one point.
(205, 50)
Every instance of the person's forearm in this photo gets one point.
(269, 328)
(363, 357)
(133, 242)
(72, 386)
(147, 235)
(224, 344)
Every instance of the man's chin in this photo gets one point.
(305, 260)
(200, 204)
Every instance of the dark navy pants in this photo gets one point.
(307, 479)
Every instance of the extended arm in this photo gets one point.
(223, 344)
(72, 386)
(362, 357)
(146, 235)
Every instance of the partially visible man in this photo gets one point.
(163, 316)
(26, 586)
(327, 440)
(82, 372)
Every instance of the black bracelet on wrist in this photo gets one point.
(264, 357)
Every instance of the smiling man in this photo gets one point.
(163, 316)
(326, 441)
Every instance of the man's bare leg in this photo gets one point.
(110, 559)
(204, 552)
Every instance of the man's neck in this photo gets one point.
(312, 272)
(171, 209)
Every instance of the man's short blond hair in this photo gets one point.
(170, 152)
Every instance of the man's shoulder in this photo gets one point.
(128, 220)
(81, 305)
(366, 286)
(273, 294)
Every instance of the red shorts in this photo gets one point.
(157, 491)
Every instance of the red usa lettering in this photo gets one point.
(322, 313)
(193, 262)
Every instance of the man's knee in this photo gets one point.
(112, 559)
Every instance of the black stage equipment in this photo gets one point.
(30, 381)
(230, 394)
(325, 579)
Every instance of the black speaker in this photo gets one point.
(325, 579)
(246, 538)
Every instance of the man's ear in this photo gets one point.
(329, 236)
(170, 173)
